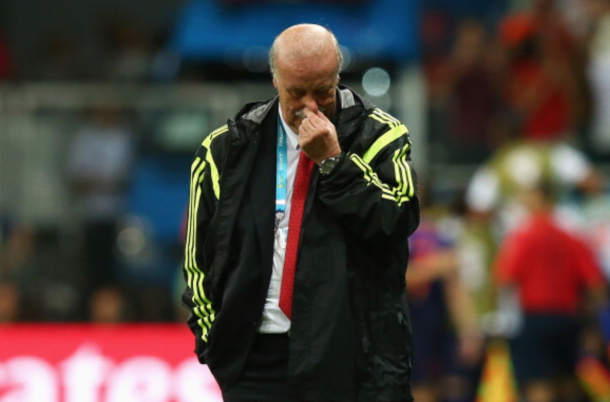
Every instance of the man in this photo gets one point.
(556, 276)
(346, 336)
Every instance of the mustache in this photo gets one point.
(301, 112)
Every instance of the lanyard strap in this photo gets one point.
(282, 168)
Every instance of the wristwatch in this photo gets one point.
(328, 164)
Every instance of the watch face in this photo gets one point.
(328, 165)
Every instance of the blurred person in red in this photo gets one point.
(6, 63)
(543, 84)
(554, 274)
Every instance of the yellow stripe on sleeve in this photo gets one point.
(195, 275)
(371, 177)
(191, 263)
(404, 189)
(383, 141)
(210, 159)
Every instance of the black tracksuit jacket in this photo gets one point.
(350, 331)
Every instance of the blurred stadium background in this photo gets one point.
(103, 103)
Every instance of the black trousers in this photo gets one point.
(264, 378)
(265, 373)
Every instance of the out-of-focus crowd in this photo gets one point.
(41, 279)
(120, 50)
(520, 254)
(519, 260)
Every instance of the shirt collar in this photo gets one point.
(292, 136)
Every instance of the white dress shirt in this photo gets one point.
(274, 320)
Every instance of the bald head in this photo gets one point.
(305, 62)
(304, 42)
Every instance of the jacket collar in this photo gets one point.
(347, 99)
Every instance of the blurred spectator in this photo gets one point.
(550, 269)
(476, 247)
(166, 62)
(99, 171)
(469, 92)
(543, 85)
(108, 305)
(494, 208)
(435, 31)
(153, 303)
(595, 210)
(16, 245)
(447, 342)
(6, 63)
(10, 302)
(598, 74)
(129, 51)
(589, 213)
(60, 59)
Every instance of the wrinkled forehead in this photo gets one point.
(308, 68)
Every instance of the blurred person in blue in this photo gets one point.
(447, 340)
(344, 333)
(100, 163)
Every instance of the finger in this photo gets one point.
(305, 127)
(308, 113)
(315, 118)
(322, 116)
(306, 123)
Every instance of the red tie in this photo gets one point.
(299, 194)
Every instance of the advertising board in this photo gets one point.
(102, 363)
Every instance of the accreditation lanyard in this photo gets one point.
(281, 173)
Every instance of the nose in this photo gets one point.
(310, 103)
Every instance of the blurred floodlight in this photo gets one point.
(376, 81)
(131, 241)
(255, 59)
